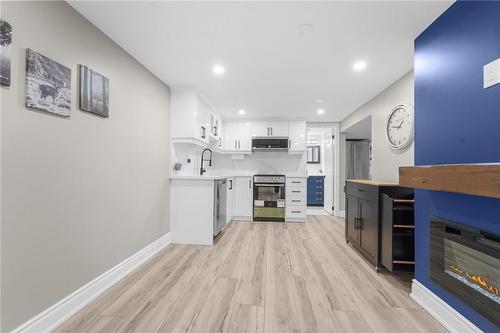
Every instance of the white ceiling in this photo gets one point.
(272, 69)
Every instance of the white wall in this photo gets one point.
(79, 194)
(385, 161)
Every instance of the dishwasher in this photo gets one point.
(220, 202)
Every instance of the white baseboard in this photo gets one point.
(441, 311)
(55, 315)
(339, 213)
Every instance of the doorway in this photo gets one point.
(321, 170)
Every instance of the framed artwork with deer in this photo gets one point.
(48, 84)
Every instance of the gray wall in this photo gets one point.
(385, 161)
(79, 194)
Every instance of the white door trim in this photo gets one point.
(55, 315)
(441, 311)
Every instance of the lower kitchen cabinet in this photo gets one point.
(243, 198)
(230, 199)
(363, 222)
(296, 191)
(315, 190)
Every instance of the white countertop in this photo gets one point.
(223, 176)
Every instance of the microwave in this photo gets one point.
(270, 143)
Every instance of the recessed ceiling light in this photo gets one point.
(242, 112)
(320, 101)
(320, 111)
(359, 66)
(218, 69)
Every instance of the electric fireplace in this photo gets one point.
(466, 262)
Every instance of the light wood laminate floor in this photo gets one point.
(259, 277)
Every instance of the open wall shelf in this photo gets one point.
(473, 179)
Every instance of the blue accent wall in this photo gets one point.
(456, 121)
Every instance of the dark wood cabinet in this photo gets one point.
(364, 213)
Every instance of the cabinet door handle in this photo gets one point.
(203, 132)
(295, 200)
(295, 182)
(235, 144)
(296, 211)
(230, 184)
(355, 223)
(271, 131)
(239, 144)
(360, 223)
(289, 143)
(249, 183)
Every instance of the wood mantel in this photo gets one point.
(473, 179)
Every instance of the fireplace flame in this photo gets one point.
(478, 280)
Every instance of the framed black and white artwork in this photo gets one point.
(48, 84)
(5, 46)
(94, 92)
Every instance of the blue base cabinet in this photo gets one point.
(315, 190)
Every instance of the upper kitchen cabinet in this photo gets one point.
(297, 135)
(190, 117)
(270, 128)
(278, 128)
(237, 136)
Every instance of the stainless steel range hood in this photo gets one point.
(270, 144)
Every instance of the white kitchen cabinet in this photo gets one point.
(189, 117)
(230, 199)
(296, 199)
(270, 128)
(244, 136)
(260, 128)
(297, 135)
(243, 198)
(237, 136)
(230, 139)
(278, 128)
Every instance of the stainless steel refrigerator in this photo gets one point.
(357, 159)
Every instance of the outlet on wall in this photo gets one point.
(491, 73)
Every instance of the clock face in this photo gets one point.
(400, 127)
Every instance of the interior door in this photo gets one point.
(352, 207)
(368, 238)
(327, 166)
(279, 128)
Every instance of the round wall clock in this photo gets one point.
(399, 127)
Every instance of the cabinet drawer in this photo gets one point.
(296, 191)
(296, 182)
(298, 212)
(295, 201)
(362, 191)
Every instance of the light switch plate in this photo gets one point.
(491, 73)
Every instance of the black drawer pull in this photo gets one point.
(296, 211)
(296, 182)
(295, 200)
(295, 191)
(360, 190)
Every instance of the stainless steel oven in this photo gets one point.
(269, 198)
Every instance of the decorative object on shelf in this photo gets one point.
(5, 46)
(48, 84)
(399, 127)
(178, 165)
(94, 92)
(313, 154)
